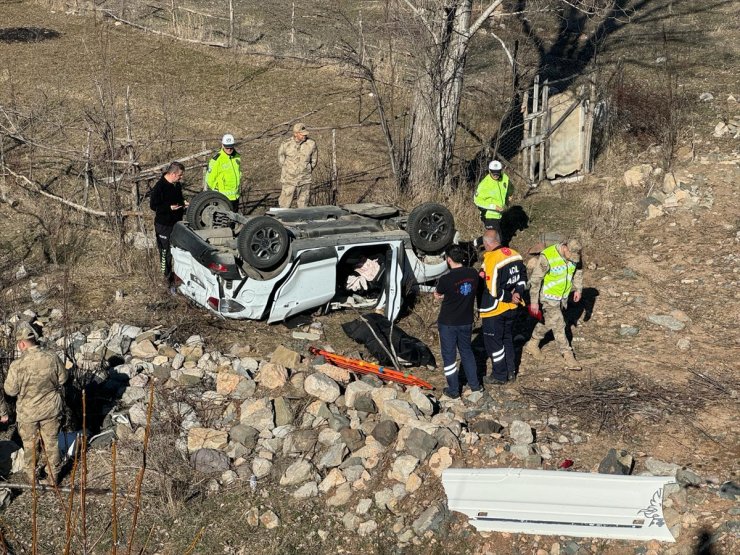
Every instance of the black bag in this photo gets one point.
(407, 348)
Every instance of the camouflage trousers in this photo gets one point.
(553, 319)
(300, 189)
(49, 432)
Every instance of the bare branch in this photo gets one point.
(418, 13)
(482, 18)
(36, 188)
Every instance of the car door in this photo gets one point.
(393, 292)
(311, 283)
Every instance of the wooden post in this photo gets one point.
(292, 25)
(232, 42)
(545, 120)
(533, 128)
(361, 50)
(173, 17)
(132, 169)
(87, 169)
(3, 185)
(205, 170)
(334, 173)
(525, 130)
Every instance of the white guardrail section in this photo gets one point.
(560, 503)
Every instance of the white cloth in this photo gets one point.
(367, 271)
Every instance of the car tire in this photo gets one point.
(431, 227)
(200, 213)
(263, 243)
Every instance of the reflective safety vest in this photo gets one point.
(558, 280)
(491, 193)
(225, 174)
(501, 269)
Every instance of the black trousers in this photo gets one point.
(163, 233)
(498, 339)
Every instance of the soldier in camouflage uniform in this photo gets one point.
(557, 274)
(297, 157)
(36, 378)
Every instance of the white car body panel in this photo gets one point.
(560, 503)
(301, 286)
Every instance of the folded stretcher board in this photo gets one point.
(560, 503)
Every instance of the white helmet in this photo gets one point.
(228, 140)
(495, 166)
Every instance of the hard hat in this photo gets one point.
(228, 140)
(495, 166)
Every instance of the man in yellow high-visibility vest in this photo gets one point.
(558, 273)
(225, 171)
(491, 196)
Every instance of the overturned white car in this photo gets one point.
(292, 260)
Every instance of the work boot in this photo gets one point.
(532, 348)
(570, 361)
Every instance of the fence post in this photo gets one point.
(292, 25)
(533, 127)
(133, 168)
(544, 128)
(232, 42)
(525, 131)
(334, 173)
(205, 169)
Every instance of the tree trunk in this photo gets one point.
(437, 99)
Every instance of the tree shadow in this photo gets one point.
(513, 220)
(524, 326)
(581, 37)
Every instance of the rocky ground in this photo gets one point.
(255, 443)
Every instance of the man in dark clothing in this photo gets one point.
(505, 278)
(169, 206)
(457, 290)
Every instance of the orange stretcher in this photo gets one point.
(363, 367)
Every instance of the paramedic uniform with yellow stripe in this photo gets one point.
(504, 274)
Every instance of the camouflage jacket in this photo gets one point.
(297, 160)
(36, 378)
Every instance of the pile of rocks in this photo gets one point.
(730, 128)
(361, 448)
(313, 428)
(667, 191)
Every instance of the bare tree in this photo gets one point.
(447, 29)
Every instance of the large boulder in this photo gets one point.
(354, 390)
(420, 444)
(272, 375)
(637, 176)
(207, 438)
(258, 414)
(209, 460)
(337, 374)
(385, 432)
(322, 386)
(397, 410)
(297, 473)
(285, 357)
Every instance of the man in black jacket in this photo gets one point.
(169, 206)
(457, 290)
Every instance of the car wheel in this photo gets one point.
(263, 242)
(431, 227)
(204, 208)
